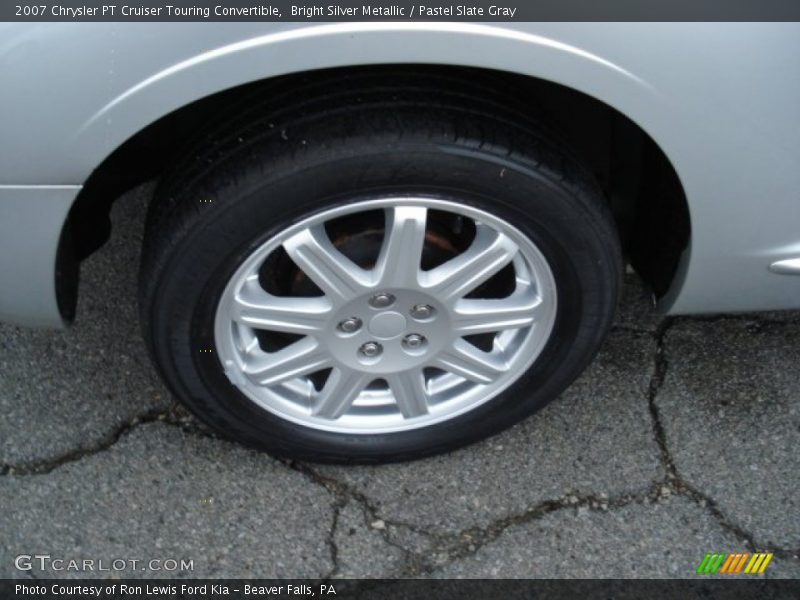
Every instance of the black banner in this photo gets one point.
(687, 589)
(402, 10)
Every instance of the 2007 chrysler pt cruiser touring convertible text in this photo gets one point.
(377, 241)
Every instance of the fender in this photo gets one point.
(108, 98)
(671, 79)
(348, 44)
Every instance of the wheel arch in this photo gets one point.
(152, 117)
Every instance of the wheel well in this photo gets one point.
(641, 185)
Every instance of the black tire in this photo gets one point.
(269, 167)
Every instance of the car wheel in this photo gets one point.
(383, 273)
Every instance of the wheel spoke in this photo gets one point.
(339, 392)
(489, 252)
(469, 362)
(335, 274)
(409, 392)
(401, 255)
(255, 308)
(473, 316)
(295, 360)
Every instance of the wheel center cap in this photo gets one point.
(387, 325)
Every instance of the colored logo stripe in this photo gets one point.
(758, 563)
(734, 563)
(710, 563)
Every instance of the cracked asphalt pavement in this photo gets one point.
(680, 439)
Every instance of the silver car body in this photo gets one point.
(722, 101)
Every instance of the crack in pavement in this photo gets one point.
(660, 367)
(452, 546)
(333, 547)
(469, 541)
(49, 465)
(448, 547)
(345, 493)
(674, 479)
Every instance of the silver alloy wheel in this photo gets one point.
(392, 337)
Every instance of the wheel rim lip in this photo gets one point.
(533, 341)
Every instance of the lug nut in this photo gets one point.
(413, 341)
(381, 300)
(350, 325)
(371, 349)
(422, 311)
